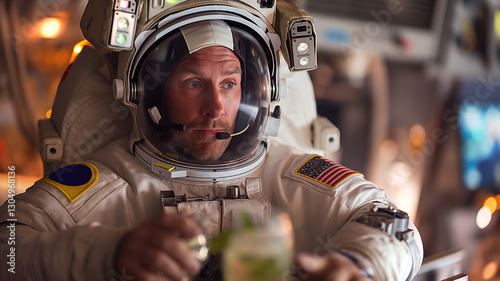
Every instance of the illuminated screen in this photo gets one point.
(479, 126)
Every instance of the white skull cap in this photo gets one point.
(204, 34)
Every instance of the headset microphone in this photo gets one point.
(157, 118)
(226, 135)
(174, 126)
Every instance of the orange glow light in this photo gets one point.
(49, 27)
(78, 48)
(497, 198)
(490, 270)
(417, 135)
(491, 203)
(48, 113)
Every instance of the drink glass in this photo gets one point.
(260, 254)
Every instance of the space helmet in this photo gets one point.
(159, 40)
(159, 119)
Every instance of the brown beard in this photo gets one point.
(203, 148)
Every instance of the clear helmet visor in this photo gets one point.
(204, 99)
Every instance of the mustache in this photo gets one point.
(211, 125)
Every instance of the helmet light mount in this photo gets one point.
(124, 19)
(298, 38)
(123, 25)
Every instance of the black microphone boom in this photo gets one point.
(222, 135)
(175, 126)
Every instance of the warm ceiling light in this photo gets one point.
(49, 27)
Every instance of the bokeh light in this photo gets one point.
(472, 119)
(49, 27)
(472, 178)
(491, 203)
(490, 270)
(483, 217)
(417, 135)
(388, 150)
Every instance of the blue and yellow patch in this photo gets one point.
(73, 180)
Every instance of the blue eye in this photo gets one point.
(194, 84)
(229, 85)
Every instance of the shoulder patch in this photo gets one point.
(74, 179)
(324, 171)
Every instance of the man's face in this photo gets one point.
(203, 93)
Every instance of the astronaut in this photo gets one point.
(191, 152)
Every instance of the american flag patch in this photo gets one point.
(324, 171)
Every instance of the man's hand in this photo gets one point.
(157, 249)
(333, 267)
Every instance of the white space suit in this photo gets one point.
(68, 224)
(60, 240)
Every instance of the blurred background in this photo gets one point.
(413, 85)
